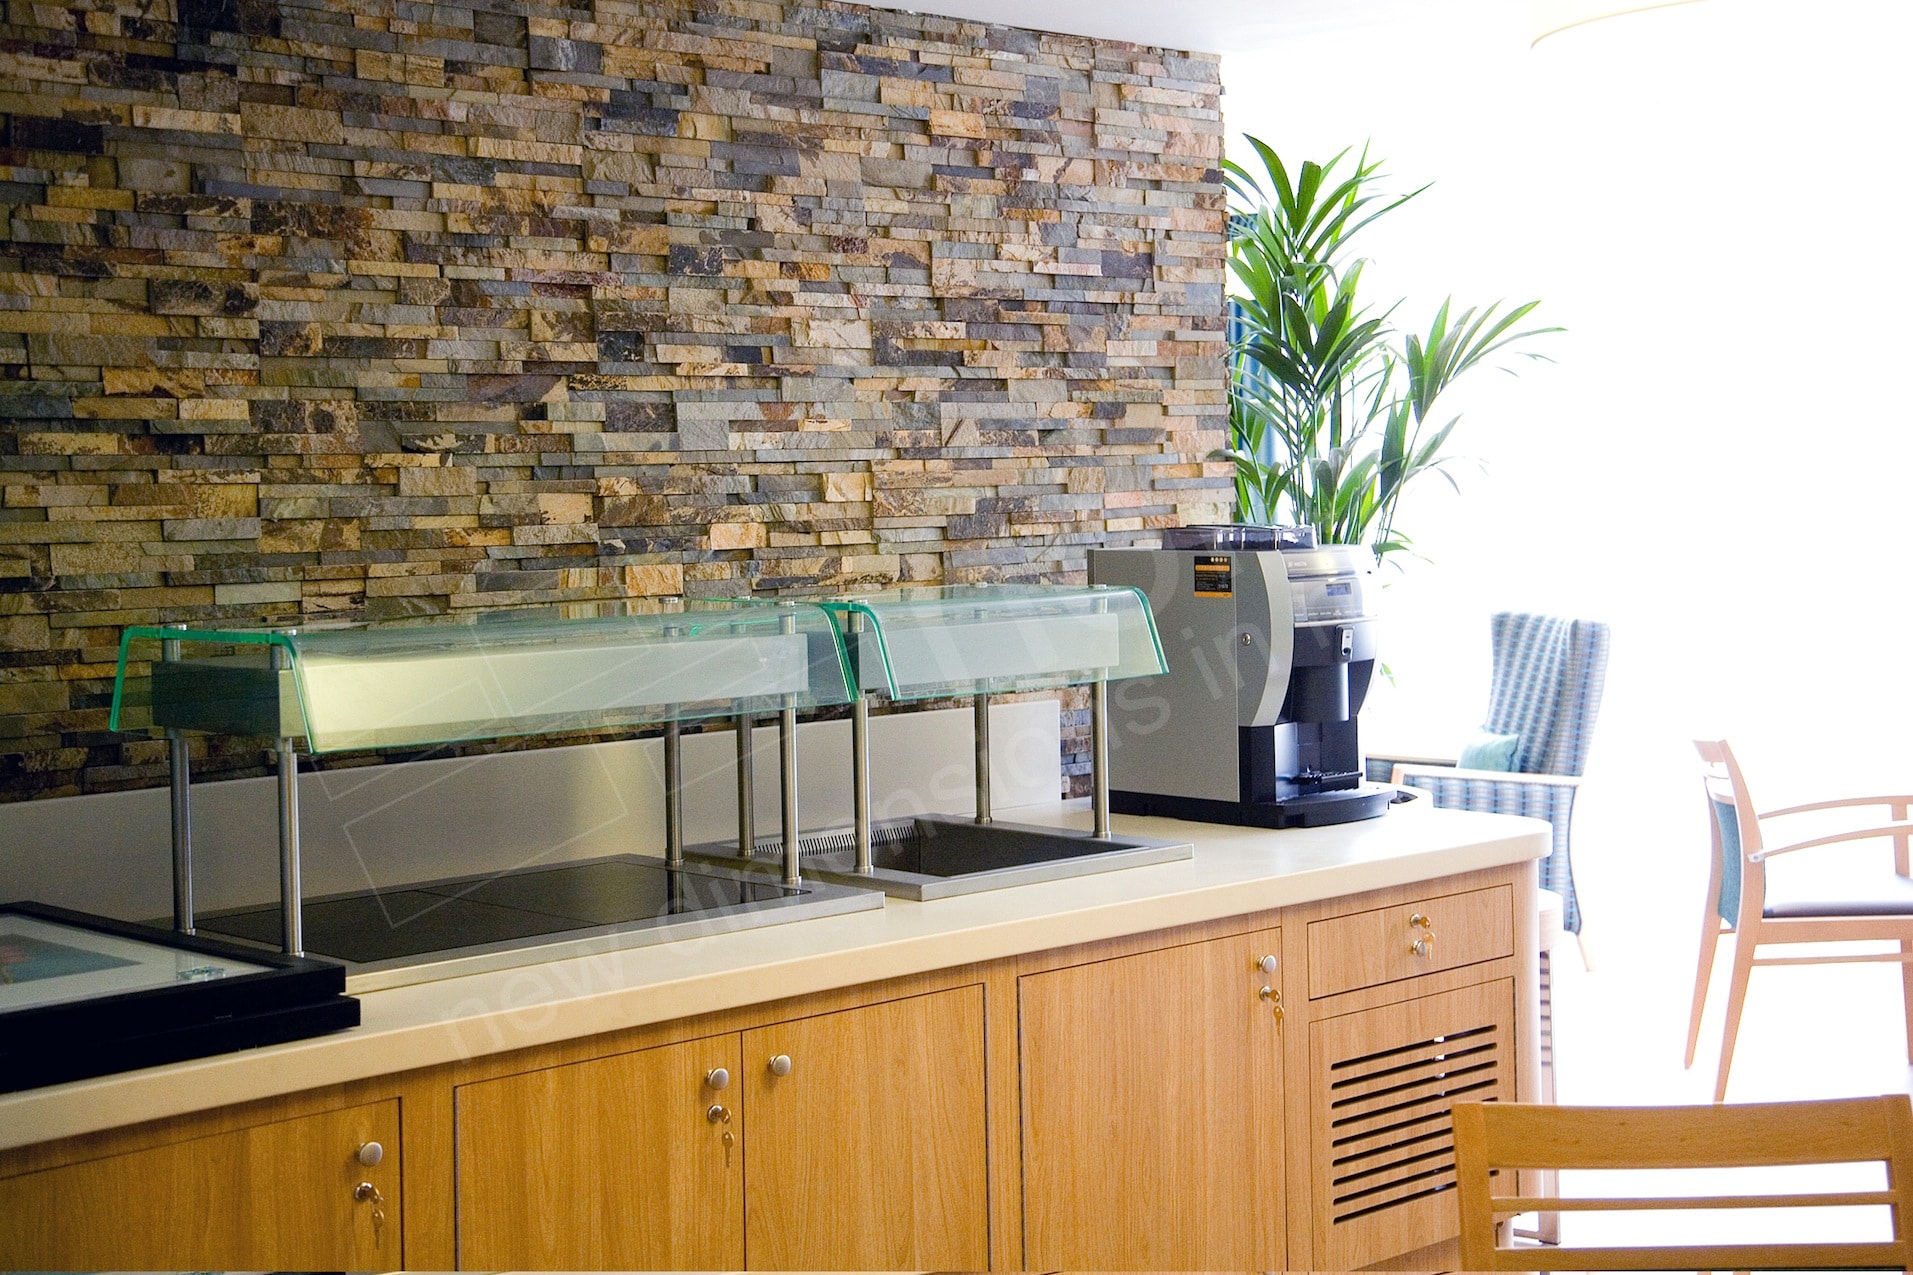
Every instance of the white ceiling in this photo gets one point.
(1211, 26)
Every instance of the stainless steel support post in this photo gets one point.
(1099, 758)
(746, 789)
(787, 778)
(673, 795)
(291, 906)
(787, 789)
(859, 755)
(982, 732)
(182, 785)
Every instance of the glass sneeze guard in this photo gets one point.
(979, 641)
(992, 639)
(487, 675)
(495, 674)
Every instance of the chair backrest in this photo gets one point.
(1735, 827)
(1546, 688)
(1494, 1138)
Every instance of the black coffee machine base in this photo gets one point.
(1319, 810)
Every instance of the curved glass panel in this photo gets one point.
(975, 639)
(486, 675)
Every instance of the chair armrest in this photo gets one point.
(1901, 800)
(1399, 760)
(1854, 834)
(1380, 767)
(1405, 774)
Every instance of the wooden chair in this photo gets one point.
(1742, 902)
(1494, 1138)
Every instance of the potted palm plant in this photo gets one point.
(1331, 408)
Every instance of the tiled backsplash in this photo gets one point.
(380, 309)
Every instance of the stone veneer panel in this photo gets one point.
(378, 309)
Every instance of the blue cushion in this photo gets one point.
(1488, 751)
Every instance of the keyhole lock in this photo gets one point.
(366, 1193)
(1424, 944)
(1273, 999)
(721, 1115)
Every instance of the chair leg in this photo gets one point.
(1547, 1227)
(1744, 946)
(1710, 933)
(1906, 987)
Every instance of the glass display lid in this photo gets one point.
(930, 643)
(490, 674)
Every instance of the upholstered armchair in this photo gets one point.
(1546, 690)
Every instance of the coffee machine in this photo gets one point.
(1270, 642)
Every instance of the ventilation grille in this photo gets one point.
(1390, 1137)
(770, 845)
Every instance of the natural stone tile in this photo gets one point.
(438, 480)
(662, 579)
(738, 535)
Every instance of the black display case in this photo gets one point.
(86, 996)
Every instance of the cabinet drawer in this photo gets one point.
(1379, 946)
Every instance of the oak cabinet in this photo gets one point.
(604, 1165)
(283, 1194)
(867, 1151)
(1152, 1110)
(864, 1148)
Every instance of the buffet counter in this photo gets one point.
(1312, 897)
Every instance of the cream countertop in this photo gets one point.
(1234, 871)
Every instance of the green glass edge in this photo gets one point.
(945, 690)
(846, 606)
(161, 633)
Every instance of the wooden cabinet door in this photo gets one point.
(604, 1165)
(869, 1152)
(1152, 1112)
(278, 1196)
(1382, 1145)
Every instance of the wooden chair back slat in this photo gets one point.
(1764, 1133)
(1507, 1136)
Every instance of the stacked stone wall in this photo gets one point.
(341, 310)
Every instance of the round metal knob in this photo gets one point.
(1267, 964)
(717, 1077)
(370, 1153)
(780, 1065)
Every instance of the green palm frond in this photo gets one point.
(1328, 403)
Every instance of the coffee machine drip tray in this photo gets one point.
(438, 929)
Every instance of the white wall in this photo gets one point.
(1708, 198)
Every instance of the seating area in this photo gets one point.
(1826, 1019)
